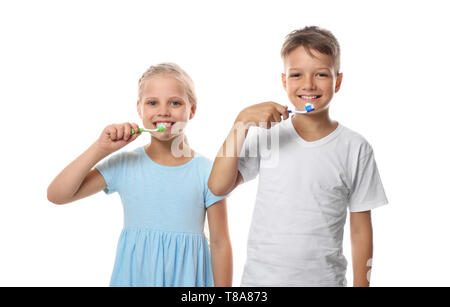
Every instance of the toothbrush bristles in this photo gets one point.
(161, 128)
(309, 107)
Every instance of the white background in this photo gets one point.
(69, 68)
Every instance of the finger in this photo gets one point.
(276, 116)
(126, 131)
(112, 132)
(268, 120)
(119, 129)
(285, 113)
(282, 110)
(136, 128)
(137, 133)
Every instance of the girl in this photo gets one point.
(164, 191)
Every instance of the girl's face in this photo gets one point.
(164, 101)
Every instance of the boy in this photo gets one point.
(314, 170)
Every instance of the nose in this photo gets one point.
(163, 110)
(308, 83)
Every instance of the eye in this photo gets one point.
(176, 103)
(296, 75)
(151, 102)
(323, 75)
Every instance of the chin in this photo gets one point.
(165, 138)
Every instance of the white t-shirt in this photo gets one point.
(301, 204)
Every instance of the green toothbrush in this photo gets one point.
(161, 128)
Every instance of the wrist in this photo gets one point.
(98, 151)
(243, 122)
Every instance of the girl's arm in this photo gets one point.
(362, 247)
(221, 253)
(225, 176)
(79, 179)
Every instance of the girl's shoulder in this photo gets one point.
(126, 157)
(203, 161)
(133, 154)
(203, 166)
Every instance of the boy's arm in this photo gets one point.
(362, 247)
(221, 253)
(78, 179)
(225, 176)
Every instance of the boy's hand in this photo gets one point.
(266, 112)
(116, 136)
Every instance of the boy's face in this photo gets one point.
(164, 100)
(310, 79)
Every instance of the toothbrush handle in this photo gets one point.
(299, 112)
(134, 131)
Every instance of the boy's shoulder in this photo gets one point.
(352, 135)
(354, 141)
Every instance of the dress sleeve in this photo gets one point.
(249, 158)
(367, 190)
(209, 197)
(111, 169)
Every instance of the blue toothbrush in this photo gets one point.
(309, 107)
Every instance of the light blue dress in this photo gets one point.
(162, 242)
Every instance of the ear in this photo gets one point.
(338, 82)
(193, 109)
(283, 80)
(138, 108)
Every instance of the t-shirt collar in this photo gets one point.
(290, 127)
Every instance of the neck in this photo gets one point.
(173, 150)
(313, 126)
(313, 122)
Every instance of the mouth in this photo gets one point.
(166, 124)
(309, 98)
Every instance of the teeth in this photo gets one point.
(164, 124)
(309, 97)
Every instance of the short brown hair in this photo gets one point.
(315, 38)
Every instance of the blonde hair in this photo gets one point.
(174, 70)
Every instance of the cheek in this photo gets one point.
(327, 86)
(181, 114)
(291, 86)
(148, 113)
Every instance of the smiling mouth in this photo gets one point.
(165, 124)
(309, 97)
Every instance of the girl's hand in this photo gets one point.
(116, 136)
(267, 113)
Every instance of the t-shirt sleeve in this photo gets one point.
(249, 158)
(367, 191)
(111, 169)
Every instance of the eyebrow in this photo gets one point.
(176, 97)
(170, 98)
(327, 68)
(150, 98)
